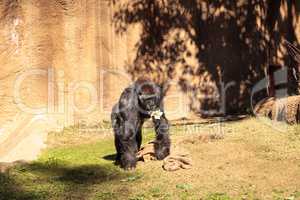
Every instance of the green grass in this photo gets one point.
(84, 170)
(69, 172)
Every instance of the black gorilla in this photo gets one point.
(138, 102)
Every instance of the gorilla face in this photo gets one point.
(149, 102)
(149, 96)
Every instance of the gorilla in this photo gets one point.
(140, 101)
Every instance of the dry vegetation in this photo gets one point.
(248, 159)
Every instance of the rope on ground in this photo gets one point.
(178, 159)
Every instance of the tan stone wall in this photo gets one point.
(77, 55)
(76, 40)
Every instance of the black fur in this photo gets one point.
(128, 115)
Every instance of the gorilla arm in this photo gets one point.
(162, 142)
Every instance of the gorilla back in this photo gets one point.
(140, 101)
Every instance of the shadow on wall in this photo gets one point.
(205, 45)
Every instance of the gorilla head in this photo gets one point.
(149, 95)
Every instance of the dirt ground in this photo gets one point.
(245, 159)
(253, 160)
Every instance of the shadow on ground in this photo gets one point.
(110, 157)
(70, 182)
(10, 189)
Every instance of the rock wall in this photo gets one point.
(74, 63)
(72, 59)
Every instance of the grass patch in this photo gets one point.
(218, 196)
(253, 161)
